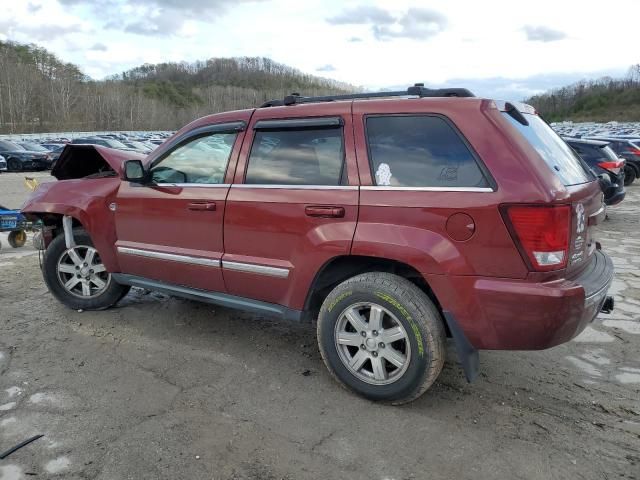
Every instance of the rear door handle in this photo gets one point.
(207, 206)
(324, 211)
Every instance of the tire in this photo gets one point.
(630, 175)
(14, 165)
(401, 304)
(59, 264)
(17, 238)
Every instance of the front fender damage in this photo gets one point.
(84, 198)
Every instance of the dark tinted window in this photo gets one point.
(420, 151)
(553, 150)
(309, 156)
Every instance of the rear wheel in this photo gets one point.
(17, 238)
(77, 277)
(15, 165)
(382, 337)
(630, 175)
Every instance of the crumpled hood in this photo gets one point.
(78, 161)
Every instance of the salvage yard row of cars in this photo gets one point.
(19, 154)
(379, 218)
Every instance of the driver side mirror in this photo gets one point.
(134, 171)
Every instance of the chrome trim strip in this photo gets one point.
(427, 189)
(297, 187)
(199, 185)
(207, 262)
(259, 269)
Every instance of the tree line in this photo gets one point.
(41, 93)
(601, 100)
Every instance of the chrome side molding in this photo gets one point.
(253, 268)
(207, 262)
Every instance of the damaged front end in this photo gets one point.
(81, 161)
(89, 177)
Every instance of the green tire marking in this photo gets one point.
(338, 299)
(403, 311)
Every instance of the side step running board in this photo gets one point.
(216, 298)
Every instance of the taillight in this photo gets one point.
(612, 166)
(633, 151)
(542, 233)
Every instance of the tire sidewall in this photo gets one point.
(420, 353)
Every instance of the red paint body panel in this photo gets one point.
(269, 227)
(483, 280)
(159, 219)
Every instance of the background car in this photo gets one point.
(3, 163)
(105, 142)
(19, 158)
(604, 162)
(627, 149)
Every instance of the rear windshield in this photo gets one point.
(553, 150)
(609, 153)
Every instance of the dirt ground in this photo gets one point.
(163, 388)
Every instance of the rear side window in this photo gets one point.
(420, 151)
(301, 156)
(553, 150)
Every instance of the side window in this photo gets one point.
(420, 151)
(301, 156)
(200, 160)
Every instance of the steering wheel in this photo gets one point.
(170, 172)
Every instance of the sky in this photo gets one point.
(497, 48)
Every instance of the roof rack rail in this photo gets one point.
(418, 90)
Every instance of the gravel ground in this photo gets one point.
(163, 388)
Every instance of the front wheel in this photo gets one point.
(382, 337)
(14, 165)
(77, 277)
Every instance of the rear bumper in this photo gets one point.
(509, 314)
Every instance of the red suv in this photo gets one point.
(394, 221)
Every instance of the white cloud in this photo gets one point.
(373, 43)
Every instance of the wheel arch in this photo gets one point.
(340, 268)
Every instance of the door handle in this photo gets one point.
(206, 206)
(324, 211)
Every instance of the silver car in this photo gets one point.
(3, 163)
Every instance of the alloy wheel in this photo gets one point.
(81, 272)
(372, 343)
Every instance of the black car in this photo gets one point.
(604, 162)
(19, 158)
(629, 149)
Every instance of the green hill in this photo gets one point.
(599, 100)
(40, 92)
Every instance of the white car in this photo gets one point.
(3, 163)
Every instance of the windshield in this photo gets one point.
(553, 150)
(7, 145)
(34, 147)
